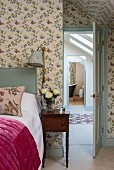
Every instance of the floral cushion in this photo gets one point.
(10, 100)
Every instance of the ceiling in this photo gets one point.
(82, 41)
(101, 10)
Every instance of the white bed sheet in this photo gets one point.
(32, 121)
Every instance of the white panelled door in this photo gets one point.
(97, 88)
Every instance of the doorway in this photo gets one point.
(99, 85)
(76, 82)
(78, 69)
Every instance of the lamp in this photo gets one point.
(36, 59)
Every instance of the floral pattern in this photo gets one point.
(102, 10)
(26, 25)
(10, 100)
(111, 84)
(72, 70)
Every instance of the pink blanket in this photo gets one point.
(18, 150)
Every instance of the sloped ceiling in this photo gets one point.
(101, 10)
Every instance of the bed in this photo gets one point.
(21, 137)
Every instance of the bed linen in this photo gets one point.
(31, 120)
(18, 150)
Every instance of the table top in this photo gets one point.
(55, 111)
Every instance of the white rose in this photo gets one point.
(56, 92)
(44, 91)
(48, 95)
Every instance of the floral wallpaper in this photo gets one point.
(72, 69)
(102, 10)
(24, 26)
(111, 84)
(75, 16)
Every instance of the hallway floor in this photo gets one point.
(76, 100)
(80, 133)
(80, 158)
(77, 109)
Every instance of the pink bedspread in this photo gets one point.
(18, 150)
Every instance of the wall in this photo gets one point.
(72, 73)
(79, 77)
(74, 16)
(24, 26)
(110, 124)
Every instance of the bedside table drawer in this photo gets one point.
(56, 123)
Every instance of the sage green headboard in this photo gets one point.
(10, 77)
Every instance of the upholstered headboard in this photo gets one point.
(10, 77)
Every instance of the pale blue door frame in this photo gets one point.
(104, 76)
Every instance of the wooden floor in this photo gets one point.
(76, 100)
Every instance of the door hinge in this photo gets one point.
(102, 129)
(103, 43)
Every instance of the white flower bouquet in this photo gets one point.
(49, 95)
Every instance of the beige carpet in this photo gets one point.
(80, 158)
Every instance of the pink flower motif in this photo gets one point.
(1, 51)
(49, 22)
(17, 51)
(48, 50)
(17, 23)
(1, 93)
(111, 88)
(111, 113)
(32, 22)
(1, 100)
(1, 23)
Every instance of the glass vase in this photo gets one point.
(49, 105)
(53, 103)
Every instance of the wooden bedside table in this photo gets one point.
(54, 121)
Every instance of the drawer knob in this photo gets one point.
(63, 123)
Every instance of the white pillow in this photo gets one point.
(30, 104)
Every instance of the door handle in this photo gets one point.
(96, 95)
(93, 96)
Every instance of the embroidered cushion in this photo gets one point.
(10, 100)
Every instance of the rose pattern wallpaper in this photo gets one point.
(27, 24)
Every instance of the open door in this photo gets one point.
(97, 88)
